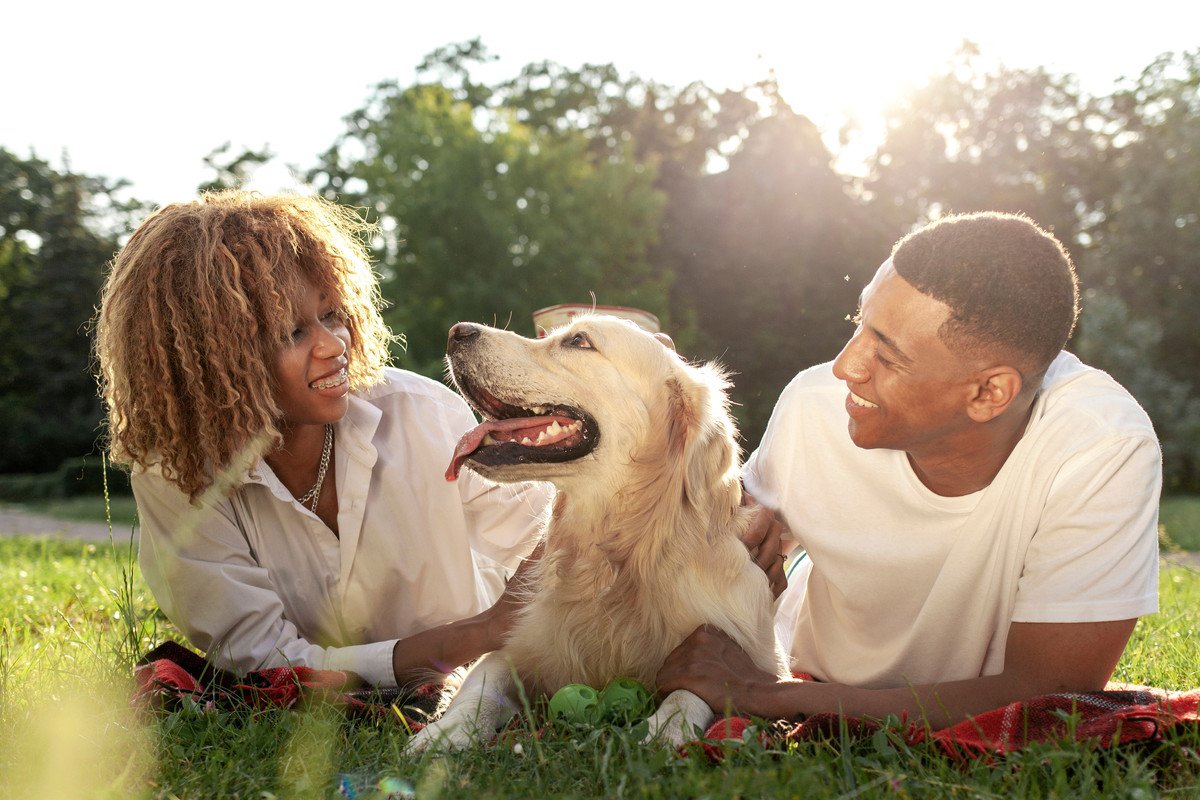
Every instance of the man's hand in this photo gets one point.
(710, 664)
(764, 540)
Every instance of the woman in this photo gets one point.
(242, 326)
(289, 485)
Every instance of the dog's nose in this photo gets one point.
(462, 333)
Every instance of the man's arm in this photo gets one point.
(1040, 658)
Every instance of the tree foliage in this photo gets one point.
(487, 217)
(1146, 255)
(57, 230)
(232, 171)
(1112, 339)
(722, 211)
(974, 139)
(1148, 249)
(777, 253)
(1117, 178)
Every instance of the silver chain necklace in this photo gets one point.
(313, 495)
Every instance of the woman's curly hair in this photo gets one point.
(194, 309)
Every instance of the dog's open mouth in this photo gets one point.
(526, 434)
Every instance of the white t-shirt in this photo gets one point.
(909, 587)
(257, 580)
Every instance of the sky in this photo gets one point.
(143, 90)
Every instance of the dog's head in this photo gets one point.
(587, 403)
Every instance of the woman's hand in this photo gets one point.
(503, 613)
(437, 651)
(764, 539)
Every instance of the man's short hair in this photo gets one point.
(1010, 286)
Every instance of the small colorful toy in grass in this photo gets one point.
(625, 700)
(356, 786)
(576, 702)
(394, 789)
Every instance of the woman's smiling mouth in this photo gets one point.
(330, 381)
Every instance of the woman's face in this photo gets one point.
(311, 383)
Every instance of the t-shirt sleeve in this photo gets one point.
(200, 568)
(1094, 556)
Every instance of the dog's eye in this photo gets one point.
(580, 340)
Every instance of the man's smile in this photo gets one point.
(862, 402)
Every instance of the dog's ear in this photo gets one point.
(691, 455)
(702, 439)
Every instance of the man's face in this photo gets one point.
(908, 391)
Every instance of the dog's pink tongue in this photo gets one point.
(468, 444)
(508, 430)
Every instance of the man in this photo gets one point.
(979, 511)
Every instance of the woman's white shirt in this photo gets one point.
(255, 579)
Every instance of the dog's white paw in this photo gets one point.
(441, 736)
(672, 733)
(681, 718)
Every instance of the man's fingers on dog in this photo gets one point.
(778, 579)
(759, 529)
(767, 554)
(772, 550)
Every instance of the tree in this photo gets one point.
(1006, 140)
(57, 230)
(232, 172)
(485, 218)
(780, 251)
(1114, 340)
(728, 291)
(1118, 180)
(626, 123)
(1145, 252)
(1146, 249)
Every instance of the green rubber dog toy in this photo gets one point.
(576, 702)
(625, 700)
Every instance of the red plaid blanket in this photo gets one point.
(1108, 718)
(171, 672)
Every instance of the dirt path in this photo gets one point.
(1182, 558)
(15, 522)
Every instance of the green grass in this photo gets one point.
(74, 616)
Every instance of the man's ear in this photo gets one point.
(994, 391)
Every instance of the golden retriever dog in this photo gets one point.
(642, 544)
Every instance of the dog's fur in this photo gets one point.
(642, 545)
